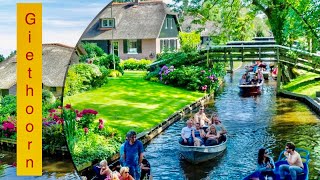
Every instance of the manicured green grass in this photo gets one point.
(304, 84)
(130, 102)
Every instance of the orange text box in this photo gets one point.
(29, 89)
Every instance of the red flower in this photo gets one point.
(86, 130)
(100, 121)
(101, 126)
(52, 110)
(68, 106)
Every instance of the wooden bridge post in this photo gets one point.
(231, 62)
(279, 75)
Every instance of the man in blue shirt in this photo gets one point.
(122, 151)
(133, 155)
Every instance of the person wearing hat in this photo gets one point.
(133, 154)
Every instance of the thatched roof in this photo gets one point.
(55, 60)
(209, 28)
(132, 21)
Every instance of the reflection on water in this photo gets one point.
(52, 168)
(252, 123)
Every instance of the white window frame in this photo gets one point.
(166, 22)
(109, 25)
(171, 19)
(132, 50)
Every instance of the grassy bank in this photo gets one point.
(306, 84)
(130, 102)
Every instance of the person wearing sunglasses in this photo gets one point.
(133, 155)
(294, 166)
(124, 174)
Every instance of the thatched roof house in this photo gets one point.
(55, 61)
(138, 29)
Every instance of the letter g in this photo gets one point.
(30, 20)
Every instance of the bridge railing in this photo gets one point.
(270, 53)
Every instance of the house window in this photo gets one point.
(168, 45)
(107, 23)
(171, 23)
(132, 46)
(166, 22)
(53, 89)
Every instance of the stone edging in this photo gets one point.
(148, 135)
(311, 103)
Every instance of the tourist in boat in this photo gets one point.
(265, 164)
(247, 77)
(220, 128)
(198, 134)
(104, 169)
(255, 80)
(212, 136)
(294, 160)
(186, 134)
(243, 80)
(260, 75)
(133, 154)
(200, 117)
(124, 174)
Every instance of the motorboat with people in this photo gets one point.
(198, 154)
(305, 156)
(252, 89)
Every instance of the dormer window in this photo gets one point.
(107, 23)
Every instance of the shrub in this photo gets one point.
(53, 137)
(92, 49)
(8, 106)
(114, 73)
(134, 64)
(47, 97)
(107, 61)
(82, 77)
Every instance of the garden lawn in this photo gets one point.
(132, 103)
(304, 84)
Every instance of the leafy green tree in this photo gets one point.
(288, 19)
(189, 41)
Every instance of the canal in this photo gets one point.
(53, 168)
(252, 123)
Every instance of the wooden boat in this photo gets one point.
(252, 89)
(198, 154)
(305, 155)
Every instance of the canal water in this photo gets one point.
(252, 123)
(53, 168)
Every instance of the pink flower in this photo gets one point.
(78, 118)
(59, 107)
(100, 121)
(101, 126)
(52, 110)
(203, 71)
(86, 130)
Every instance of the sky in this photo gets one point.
(63, 21)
